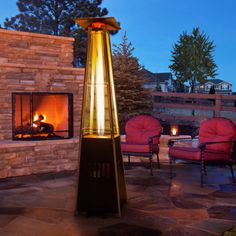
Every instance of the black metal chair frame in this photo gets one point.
(147, 154)
(203, 162)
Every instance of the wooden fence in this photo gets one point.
(193, 106)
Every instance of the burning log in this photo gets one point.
(39, 127)
(43, 126)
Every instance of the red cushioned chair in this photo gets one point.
(142, 137)
(217, 143)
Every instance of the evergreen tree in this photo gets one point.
(192, 59)
(212, 90)
(56, 17)
(132, 97)
(179, 86)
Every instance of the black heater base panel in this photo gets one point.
(101, 189)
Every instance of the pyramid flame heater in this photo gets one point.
(101, 184)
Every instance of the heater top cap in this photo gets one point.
(109, 22)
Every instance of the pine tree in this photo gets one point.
(212, 90)
(56, 17)
(192, 59)
(132, 97)
(179, 86)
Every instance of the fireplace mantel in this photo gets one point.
(15, 144)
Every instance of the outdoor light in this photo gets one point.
(101, 185)
(174, 130)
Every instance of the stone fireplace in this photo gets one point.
(40, 104)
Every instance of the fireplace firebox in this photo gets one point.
(40, 116)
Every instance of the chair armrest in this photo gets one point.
(171, 142)
(150, 139)
(203, 145)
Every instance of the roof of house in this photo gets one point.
(217, 81)
(157, 77)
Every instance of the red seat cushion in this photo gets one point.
(138, 129)
(141, 148)
(188, 153)
(194, 154)
(215, 130)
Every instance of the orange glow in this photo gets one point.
(36, 117)
(54, 110)
(174, 131)
(97, 25)
(100, 88)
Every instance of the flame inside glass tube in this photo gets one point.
(100, 88)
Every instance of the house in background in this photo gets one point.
(162, 80)
(219, 85)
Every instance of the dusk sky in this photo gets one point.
(153, 26)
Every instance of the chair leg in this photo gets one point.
(205, 172)
(151, 172)
(158, 161)
(129, 159)
(171, 167)
(202, 171)
(232, 172)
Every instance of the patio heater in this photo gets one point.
(101, 183)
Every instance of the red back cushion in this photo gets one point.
(138, 129)
(215, 130)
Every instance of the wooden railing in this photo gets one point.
(194, 106)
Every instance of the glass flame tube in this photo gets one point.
(100, 120)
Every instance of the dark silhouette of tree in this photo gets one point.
(179, 86)
(132, 97)
(56, 17)
(192, 59)
(212, 90)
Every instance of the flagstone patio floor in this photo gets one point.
(44, 204)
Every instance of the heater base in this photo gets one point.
(101, 188)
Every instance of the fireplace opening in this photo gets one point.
(40, 116)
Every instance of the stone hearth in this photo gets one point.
(37, 63)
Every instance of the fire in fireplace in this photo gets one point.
(39, 116)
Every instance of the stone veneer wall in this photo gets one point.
(35, 49)
(37, 63)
